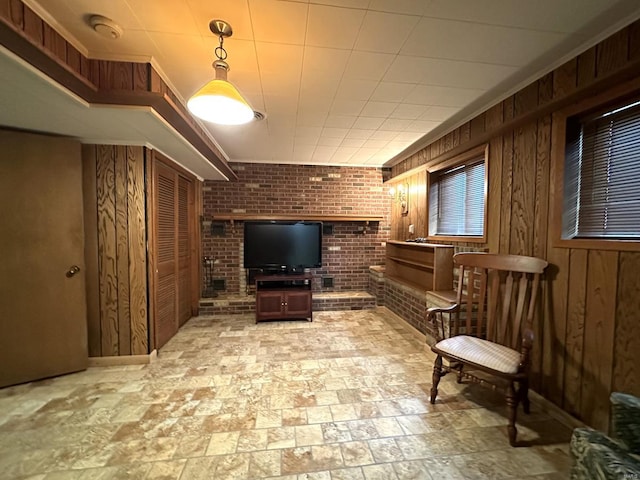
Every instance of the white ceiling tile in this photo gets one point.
(450, 73)
(166, 16)
(408, 111)
(360, 133)
(333, 27)
(329, 141)
(391, 92)
(423, 126)
(308, 131)
(300, 142)
(355, 89)
(395, 124)
(340, 121)
(410, 7)
(368, 65)
(343, 3)
(364, 153)
(384, 32)
(548, 15)
(311, 119)
(347, 107)
(409, 137)
(374, 143)
(386, 134)
(449, 39)
(323, 151)
(303, 154)
(442, 96)
(343, 154)
(334, 132)
(117, 10)
(378, 109)
(439, 114)
(234, 12)
(353, 142)
(268, 25)
(368, 123)
(274, 57)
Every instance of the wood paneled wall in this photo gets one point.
(115, 250)
(589, 327)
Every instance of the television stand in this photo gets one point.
(283, 297)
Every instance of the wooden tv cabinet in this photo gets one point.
(283, 297)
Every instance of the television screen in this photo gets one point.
(282, 245)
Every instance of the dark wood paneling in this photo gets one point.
(626, 366)
(612, 53)
(599, 329)
(137, 251)
(33, 26)
(589, 335)
(107, 251)
(122, 248)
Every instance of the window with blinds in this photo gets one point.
(457, 200)
(602, 175)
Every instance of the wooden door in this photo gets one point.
(166, 318)
(185, 237)
(43, 325)
(174, 213)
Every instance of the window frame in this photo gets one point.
(623, 92)
(476, 152)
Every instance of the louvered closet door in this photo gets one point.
(166, 318)
(185, 206)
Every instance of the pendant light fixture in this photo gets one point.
(218, 101)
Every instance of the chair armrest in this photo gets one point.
(434, 317)
(625, 413)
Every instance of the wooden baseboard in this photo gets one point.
(114, 361)
(554, 411)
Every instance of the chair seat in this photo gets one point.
(481, 352)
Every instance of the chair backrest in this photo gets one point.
(497, 296)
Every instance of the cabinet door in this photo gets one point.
(298, 304)
(269, 305)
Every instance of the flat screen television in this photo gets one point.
(282, 246)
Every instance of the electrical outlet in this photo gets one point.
(412, 229)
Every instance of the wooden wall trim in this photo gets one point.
(101, 82)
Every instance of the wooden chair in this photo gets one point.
(489, 336)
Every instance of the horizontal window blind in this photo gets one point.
(602, 176)
(456, 201)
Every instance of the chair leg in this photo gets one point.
(460, 373)
(437, 373)
(512, 404)
(524, 396)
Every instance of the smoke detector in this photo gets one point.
(105, 27)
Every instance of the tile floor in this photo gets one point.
(341, 398)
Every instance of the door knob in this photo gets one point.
(73, 270)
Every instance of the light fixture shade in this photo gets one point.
(220, 102)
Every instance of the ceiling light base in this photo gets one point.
(220, 28)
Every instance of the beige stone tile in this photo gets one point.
(223, 443)
(335, 432)
(294, 416)
(170, 469)
(283, 437)
(412, 470)
(251, 440)
(269, 418)
(321, 414)
(233, 467)
(351, 473)
(247, 395)
(309, 435)
(356, 453)
(264, 464)
(342, 412)
(385, 450)
(379, 472)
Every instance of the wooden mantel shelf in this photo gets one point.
(293, 217)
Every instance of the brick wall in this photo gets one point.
(266, 189)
